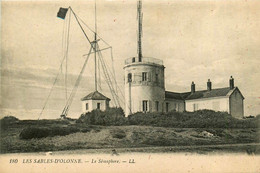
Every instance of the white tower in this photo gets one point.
(144, 79)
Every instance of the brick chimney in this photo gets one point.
(231, 83)
(192, 87)
(209, 85)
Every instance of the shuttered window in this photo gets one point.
(167, 107)
(157, 78)
(144, 76)
(157, 106)
(145, 105)
(129, 77)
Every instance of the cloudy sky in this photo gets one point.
(196, 40)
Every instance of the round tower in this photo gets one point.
(144, 85)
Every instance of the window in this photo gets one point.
(145, 105)
(133, 59)
(144, 76)
(129, 77)
(156, 78)
(98, 106)
(195, 106)
(157, 105)
(167, 107)
(86, 106)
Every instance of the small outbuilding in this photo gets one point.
(95, 100)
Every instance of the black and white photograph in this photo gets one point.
(130, 86)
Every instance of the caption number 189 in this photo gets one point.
(13, 161)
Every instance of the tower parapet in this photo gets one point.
(148, 60)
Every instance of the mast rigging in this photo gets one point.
(94, 48)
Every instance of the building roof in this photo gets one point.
(207, 94)
(95, 96)
(218, 92)
(173, 95)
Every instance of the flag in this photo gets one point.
(62, 13)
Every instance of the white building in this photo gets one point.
(94, 100)
(144, 85)
(145, 92)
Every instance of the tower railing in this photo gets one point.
(149, 60)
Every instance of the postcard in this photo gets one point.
(130, 86)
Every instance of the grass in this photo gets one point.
(57, 135)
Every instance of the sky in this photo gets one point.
(197, 41)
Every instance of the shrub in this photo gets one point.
(41, 132)
(34, 132)
(8, 120)
(118, 133)
(84, 130)
(111, 116)
(197, 119)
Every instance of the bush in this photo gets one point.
(7, 121)
(197, 119)
(111, 116)
(34, 132)
(42, 132)
(118, 133)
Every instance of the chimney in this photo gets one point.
(231, 83)
(192, 87)
(209, 85)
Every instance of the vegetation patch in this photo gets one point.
(111, 116)
(8, 121)
(197, 119)
(42, 132)
(118, 133)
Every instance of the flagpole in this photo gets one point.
(95, 37)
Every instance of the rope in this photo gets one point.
(106, 72)
(107, 79)
(114, 78)
(93, 31)
(64, 34)
(67, 50)
(99, 77)
(74, 90)
(52, 87)
(81, 27)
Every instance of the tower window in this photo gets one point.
(167, 107)
(98, 106)
(156, 78)
(145, 105)
(133, 59)
(86, 106)
(144, 76)
(129, 77)
(157, 105)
